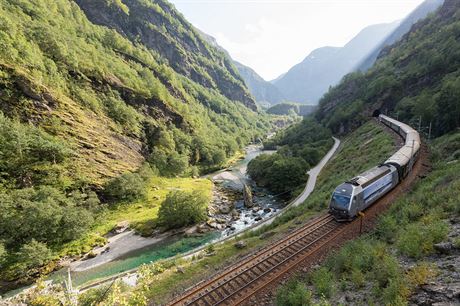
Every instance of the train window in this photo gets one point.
(340, 201)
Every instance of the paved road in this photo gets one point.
(313, 175)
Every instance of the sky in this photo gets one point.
(271, 36)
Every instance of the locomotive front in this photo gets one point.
(340, 203)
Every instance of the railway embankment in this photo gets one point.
(412, 254)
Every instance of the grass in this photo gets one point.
(408, 231)
(140, 214)
(364, 148)
(351, 158)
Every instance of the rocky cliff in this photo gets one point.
(159, 27)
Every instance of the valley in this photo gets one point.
(143, 162)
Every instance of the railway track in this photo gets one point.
(260, 271)
(238, 282)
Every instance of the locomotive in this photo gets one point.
(357, 194)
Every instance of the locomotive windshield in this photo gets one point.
(340, 201)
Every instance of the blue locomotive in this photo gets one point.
(359, 193)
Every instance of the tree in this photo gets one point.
(127, 187)
(3, 254)
(182, 208)
(33, 255)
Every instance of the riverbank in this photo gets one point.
(111, 267)
(129, 277)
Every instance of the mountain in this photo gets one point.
(289, 108)
(417, 80)
(428, 6)
(98, 99)
(158, 26)
(307, 81)
(108, 76)
(264, 92)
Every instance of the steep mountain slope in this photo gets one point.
(417, 80)
(90, 115)
(308, 81)
(428, 6)
(264, 92)
(111, 97)
(158, 26)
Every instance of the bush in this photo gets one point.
(169, 163)
(323, 280)
(294, 293)
(182, 208)
(32, 255)
(417, 239)
(278, 173)
(127, 187)
(44, 214)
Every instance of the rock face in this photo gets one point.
(445, 288)
(121, 227)
(160, 27)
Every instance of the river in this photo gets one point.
(122, 257)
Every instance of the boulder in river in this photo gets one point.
(224, 209)
(247, 194)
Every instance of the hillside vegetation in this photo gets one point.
(414, 79)
(97, 100)
(299, 148)
(417, 78)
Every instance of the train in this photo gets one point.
(355, 195)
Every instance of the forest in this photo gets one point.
(299, 148)
(90, 116)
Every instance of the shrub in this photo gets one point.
(323, 280)
(45, 214)
(169, 163)
(127, 187)
(420, 274)
(32, 255)
(417, 239)
(294, 293)
(182, 208)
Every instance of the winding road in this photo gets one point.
(309, 187)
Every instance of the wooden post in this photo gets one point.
(361, 217)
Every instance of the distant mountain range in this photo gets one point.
(324, 67)
(264, 92)
(307, 81)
